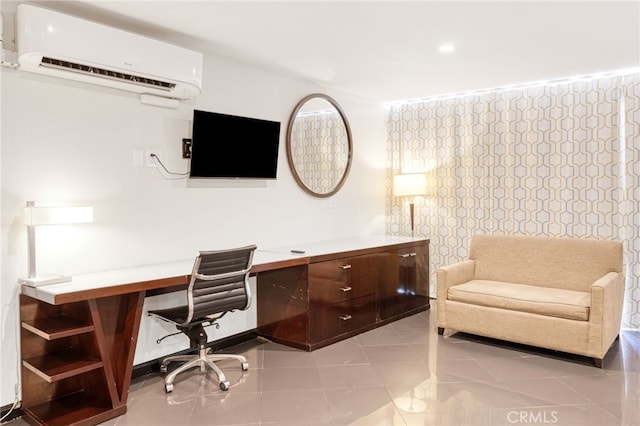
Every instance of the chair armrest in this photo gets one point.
(607, 301)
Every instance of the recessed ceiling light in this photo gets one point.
(447, 48)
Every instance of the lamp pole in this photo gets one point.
(31, 245)
(411, 212)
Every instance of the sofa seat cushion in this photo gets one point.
(548, 301)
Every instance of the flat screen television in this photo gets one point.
(233, 147)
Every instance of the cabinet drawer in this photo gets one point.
(334, 320)
(330, 283)
(340, 280)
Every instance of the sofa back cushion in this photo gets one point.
(568, 263)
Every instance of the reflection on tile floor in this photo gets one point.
(400, 374)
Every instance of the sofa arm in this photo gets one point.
(454, 274)
(446, 277)
(607, 301)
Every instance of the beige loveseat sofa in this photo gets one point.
(557, 293)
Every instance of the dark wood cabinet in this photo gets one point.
(404, 281)
(283, 304)
(339, 295)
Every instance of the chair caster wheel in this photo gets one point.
(245, 366)
(163, 369)
(168, 387)
(224, 386)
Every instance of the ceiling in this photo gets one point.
(387, 51)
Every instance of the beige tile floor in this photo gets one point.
(400, 374)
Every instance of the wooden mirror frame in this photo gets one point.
(292, 166)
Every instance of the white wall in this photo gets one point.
(73, 143)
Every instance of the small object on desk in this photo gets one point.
(297, 251)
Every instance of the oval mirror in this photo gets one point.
(319, 146)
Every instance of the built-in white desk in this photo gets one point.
(142, 278)
(78, 338)
(168, 274)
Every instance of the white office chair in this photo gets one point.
(219, 284)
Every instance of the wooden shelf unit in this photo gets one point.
(74, 359)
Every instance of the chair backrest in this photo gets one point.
(219, 282)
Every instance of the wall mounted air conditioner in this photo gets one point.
(64, 46)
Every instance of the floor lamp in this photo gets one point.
(38, 216)
(410, 184)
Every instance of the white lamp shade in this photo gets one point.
(57, 215)
(409, 184)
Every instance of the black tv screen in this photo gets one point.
(233, 147)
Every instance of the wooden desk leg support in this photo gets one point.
(77, 358)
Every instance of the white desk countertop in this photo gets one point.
(319, 248)
(147, 273)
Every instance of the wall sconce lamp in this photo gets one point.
(409, 184)
(37, 216)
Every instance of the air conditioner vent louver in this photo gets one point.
(101, 72)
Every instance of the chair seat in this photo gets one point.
(179, 314)
(176, 315)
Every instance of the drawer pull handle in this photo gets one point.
(345, 317)
(345, 266)
(408, 255)
(345, 289)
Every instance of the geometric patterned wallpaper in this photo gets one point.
(631, 207)
(320, 149)
(560, 159)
